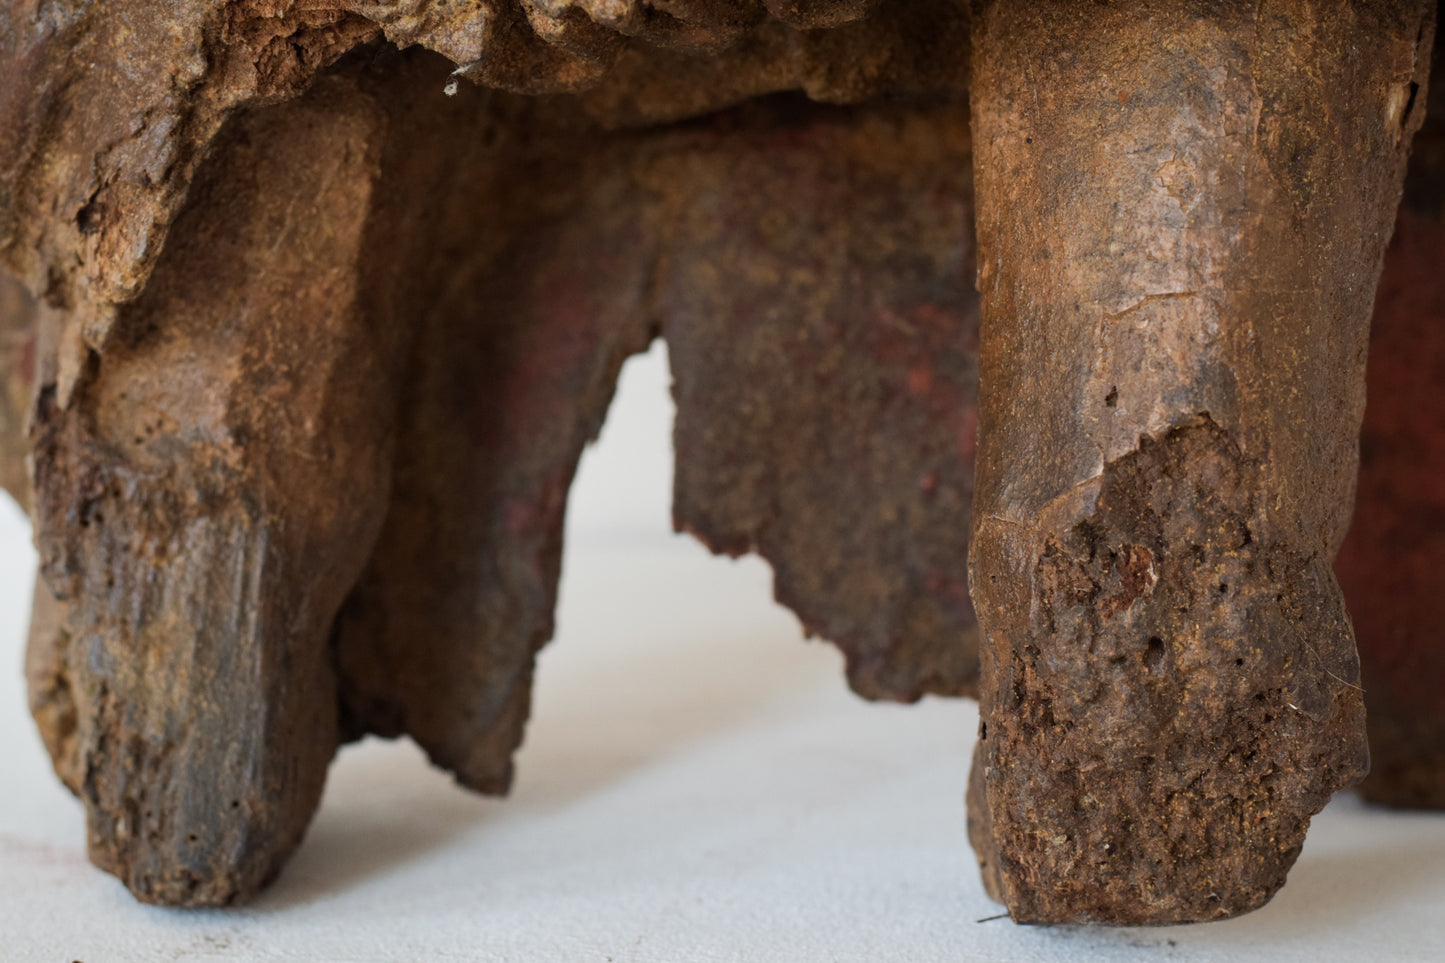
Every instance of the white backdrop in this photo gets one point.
(696, 784)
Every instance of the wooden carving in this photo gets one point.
(322, 301)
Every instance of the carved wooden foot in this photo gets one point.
(1181, 215)
(203, 502)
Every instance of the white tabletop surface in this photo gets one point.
(697, 784)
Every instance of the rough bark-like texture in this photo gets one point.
(363, 363)
(115, 108)
(1182, 211)
(306, 480)
(1392, 564)
(17, 375)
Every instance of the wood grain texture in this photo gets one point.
(205, 503)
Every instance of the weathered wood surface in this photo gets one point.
(1182, 211)
(302, 456)
(206, 501)
(319, 335)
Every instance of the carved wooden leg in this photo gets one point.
(205, 498)
(1392, 565)
(1182, 210)
(509, 379)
